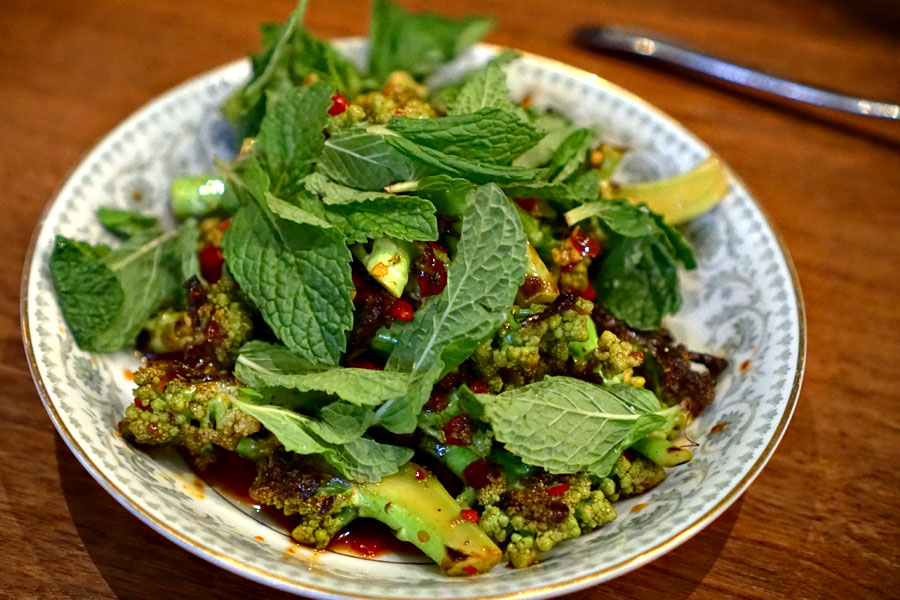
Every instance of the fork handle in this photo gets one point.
(638, 44)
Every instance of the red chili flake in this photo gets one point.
(588, 293)
(421, 474)
(362, 363)
(437, 247)
(140, 404)
(479, 386)
(213, 332)
(470, 570)
(458, 430)
(211, 260)
(745, 365)
(152, 428)
(338, 104)
(558, 490)
(469, 515)
(224, 225)
(164, 380)
(585, 244)
(436, 402)
(476, 473)
(402, 310)
(639, 507)
(638, 355)
(527, 204)
(432, 273)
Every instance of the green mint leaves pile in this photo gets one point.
(310, 188)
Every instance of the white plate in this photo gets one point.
(742, 301)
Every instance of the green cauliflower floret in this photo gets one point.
(617, 359)
(307, 487)
(632, 475)
(536, 341)
(174, 405)
(217, 320)
(412, 502)
(542, 510)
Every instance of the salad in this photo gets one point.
(431, 307)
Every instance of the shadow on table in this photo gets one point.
(137, 563)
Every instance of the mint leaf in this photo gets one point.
(290, 55)
(364, 161)
(246, 107)
(245, 182)
(106, 296)
(490, 134)
(417, 43)
(367, 460)
(188, 250)
(558, 128)
(361, 215)
(566, 425)
(263, 365)
(638, 278)
(461, 167)
(290, 136)
(482, 283)
(356, 458)
(571, 155)
(483, 88)
(447, 194)
(298, 276)
(125, 223)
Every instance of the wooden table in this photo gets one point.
(823, 519)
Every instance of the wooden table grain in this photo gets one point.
(823, 518)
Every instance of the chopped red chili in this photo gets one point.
(360, 362)
(432, 273)
(421, 474)
(469, 515)
(436, 402)
(558, 490)
(476, 474)
(470, 570)
(141, 405)
(224, 225)
(458, 430)
(479, 386)
(338, 104)
(402, 310)
(527, 204)
(211, 260)
(585, 244)
(588, 293)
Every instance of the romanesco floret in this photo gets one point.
(525, 350)
(618, 359)
(217, 320)
(542, 510)
(175, 405)
(400, 95)
(305, 486)
(631, 476)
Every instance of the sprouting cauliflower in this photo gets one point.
(176, 406)
(525, 350)
(216, 321)
(542, 510)
(304, 486)
(400, 95)
(632, 475)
